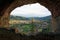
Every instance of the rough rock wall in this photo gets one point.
(11, 35)
(52, 5)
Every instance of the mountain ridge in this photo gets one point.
(29, 18)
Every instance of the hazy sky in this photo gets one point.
(31, 10)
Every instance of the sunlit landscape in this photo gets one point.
(31, 19)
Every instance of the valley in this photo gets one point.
(30, 25)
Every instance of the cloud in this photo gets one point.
(31, 10)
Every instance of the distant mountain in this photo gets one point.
(18, 17)
(47, 18)
(43, 18)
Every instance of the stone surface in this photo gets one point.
(11, 35)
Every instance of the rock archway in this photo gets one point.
(52, 5)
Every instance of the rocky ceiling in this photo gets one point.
(4, 3)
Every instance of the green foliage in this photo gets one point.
(31, 27)
(48, 29)
(26, 28)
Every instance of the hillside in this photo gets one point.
(26, 25)
(29, 18)
(47, 18)
(18, 17)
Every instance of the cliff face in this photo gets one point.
(7, 6)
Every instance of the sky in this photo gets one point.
(31, 10)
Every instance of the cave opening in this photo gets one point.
(31, 19)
